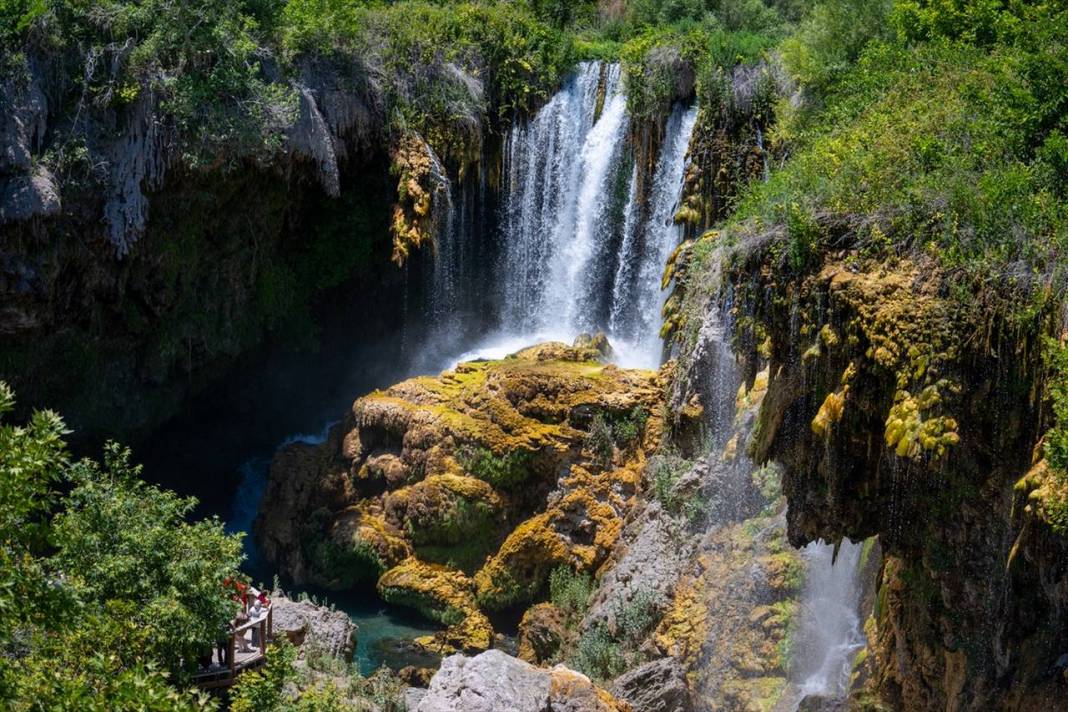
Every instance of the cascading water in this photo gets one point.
(580, 252)
(559, 169)
(829, 633)
(637, 297)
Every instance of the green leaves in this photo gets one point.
(1057, 436)
(120, 539)
(106, 603)
(31, 458)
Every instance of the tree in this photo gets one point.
(32, 457)
(121, 540)
(106, 604)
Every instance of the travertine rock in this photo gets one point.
(657, 686)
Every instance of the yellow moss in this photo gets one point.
(910, 433)
(829, 413)
(364, 526)
(1047, 494)
(579, 693)
(683, 630)
(599, 501)
(412, 224)
(476, 433)
(443, 594)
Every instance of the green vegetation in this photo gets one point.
(600, 440)
(460, 534)
(1057, 436)
(503, 471)
(599, 655)
(629, 427)
(570, 591)
(1056, 442)
(916, 129)
(602, 654)
(221, 70)
(282, 686)
(611, 430)
(107, 595)
(957, 149)
(637, 618)
(663, 472)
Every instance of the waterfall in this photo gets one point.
(579, 250)
(637, 298)
(829, 632)
(558, 221)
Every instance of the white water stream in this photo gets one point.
(829, 634)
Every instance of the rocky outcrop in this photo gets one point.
(898, 410)
(312, 627)
(541, 633)
(158, 260)
(460, 493)
(441, 594)
(494, 681)
(657, 686)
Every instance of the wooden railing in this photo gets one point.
(225, 677)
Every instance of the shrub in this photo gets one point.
(638, 616)
(831, 37)
(599, 655)
(628, 428)
(265, 690)
(570, 591)
(1057, 437)
(663, 472)
(600, 440)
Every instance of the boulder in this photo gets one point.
(657, 686)
(494, 682)
(29, 195)
(309, 626)
(541, 633)
(442, 594)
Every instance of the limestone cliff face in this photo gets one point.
(133, 268)
(459, 494)
(895, 411)
(127, 272)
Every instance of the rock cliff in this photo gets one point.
(898, 411)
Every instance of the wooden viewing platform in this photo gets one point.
(223, 672)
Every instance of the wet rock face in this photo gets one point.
(461, 493)
(896, 411)
(494, 681)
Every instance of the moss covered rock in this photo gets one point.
(442, 594)
(466, 489)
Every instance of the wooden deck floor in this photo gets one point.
(220, 674)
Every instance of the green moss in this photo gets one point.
(503, 471)
(427, 605)
(344, 567)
